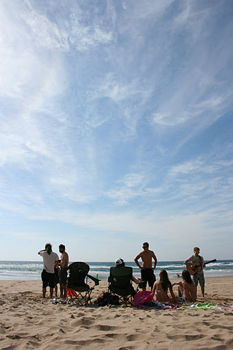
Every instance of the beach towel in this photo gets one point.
(202, 306)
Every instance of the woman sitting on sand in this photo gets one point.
(187, 288)
(160, 288)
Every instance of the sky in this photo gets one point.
(116, 128)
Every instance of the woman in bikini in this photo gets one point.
(187, 289)
(161, 287)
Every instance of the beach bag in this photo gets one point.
(108, 299)
(142, 298)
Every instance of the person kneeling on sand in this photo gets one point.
(187, 290)
(161, 287)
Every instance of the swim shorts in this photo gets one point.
(56, 276)
(199, 277)
(148, 276)
(63, 276)
(47, 279)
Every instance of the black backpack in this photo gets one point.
(108, 299)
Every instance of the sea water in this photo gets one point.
(31, 270)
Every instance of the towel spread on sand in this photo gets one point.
(158, 305)
(202, 306)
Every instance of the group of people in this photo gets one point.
(187, 288)
(55, 271)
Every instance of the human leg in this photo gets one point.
(62, 290)
(63, 280)
(144, 279)
(195, 281)
(51, 292)
(56, 281)
(151, 278)
(51, 283)
(202, 283)
(44, 277)
(180, 290)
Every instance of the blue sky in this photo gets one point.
(116, 128)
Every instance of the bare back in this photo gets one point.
(159, 293)
(189, 291)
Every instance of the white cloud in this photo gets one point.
(133, 180)
(187, 167)
(147, 9)
(98, 101)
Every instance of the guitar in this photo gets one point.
(196, 267)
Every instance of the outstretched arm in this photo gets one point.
(177, 284)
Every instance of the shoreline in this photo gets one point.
(174, 279)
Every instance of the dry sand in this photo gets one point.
(29, 322)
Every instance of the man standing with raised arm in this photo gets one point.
(50, 259)
(147, 273)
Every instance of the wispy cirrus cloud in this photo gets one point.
(118, 112)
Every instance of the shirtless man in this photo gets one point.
(147, 273)
(63, 270)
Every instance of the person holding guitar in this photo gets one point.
(195, 265)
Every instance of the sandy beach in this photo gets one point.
(27, 321)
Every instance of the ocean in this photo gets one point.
(31, 270)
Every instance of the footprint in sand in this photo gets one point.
(84, 342)
(133, 337)
(186, 337)
(31, 344)
(104, 328)
(83, 321)
(221, 327)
